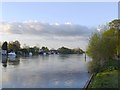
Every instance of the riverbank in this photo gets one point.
(108, 77)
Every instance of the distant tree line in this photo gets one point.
(15, 46)
(64, 50)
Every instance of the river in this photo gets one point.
(53, 71)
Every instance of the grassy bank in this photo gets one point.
(106, 79)
(108, 76)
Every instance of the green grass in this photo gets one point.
(108, 76)
(106, 79)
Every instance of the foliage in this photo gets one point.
(106, 79)
(45, 49)
(111, 65)
(94, 66)
(14, 46)
(4, 46)
(115, 24)
(93, 45)
(64, 50)
(34, 50)
(24, 52)
(78, 51)
(103, 46)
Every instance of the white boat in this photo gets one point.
(44, 53)
(11, 54)
(30, 54)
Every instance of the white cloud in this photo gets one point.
(68, 23)
(51, 35)
(56, 24)
(5, 27)
(45, 29)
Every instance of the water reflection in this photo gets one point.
(54, 71)
(4, 61)
(63, 57)
(10, 60)
(15, 63)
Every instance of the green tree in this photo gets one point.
(4, 46)
(115, 24)
(103, 46)
(34, 50)
(78, 51)
(37, 49)
(25, 52)
(45, 49)
(14, 46)
(64, 50)
(93, 45)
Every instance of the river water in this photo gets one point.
(53, 71)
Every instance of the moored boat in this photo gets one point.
(12, 54)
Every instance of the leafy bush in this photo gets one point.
(106, 79)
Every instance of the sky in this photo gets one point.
(54, 24)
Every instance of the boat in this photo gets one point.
(30, 54)
(11, 54)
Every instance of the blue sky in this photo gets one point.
(60, 24)
(90, 14)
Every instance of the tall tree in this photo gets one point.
(115, 24)
(45, 49)
(14, 46)
(4, 46)
(105, 45)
